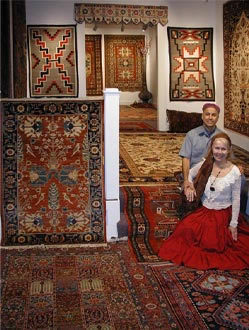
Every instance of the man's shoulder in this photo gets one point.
(196, 131)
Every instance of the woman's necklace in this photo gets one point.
(212, 188)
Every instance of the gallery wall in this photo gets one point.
(192, 13)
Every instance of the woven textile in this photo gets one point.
(80, 288)
(191, 64)
(94, 84)
(52, 61)
(205, 299)
(236, 73)
(52, 173)
(149, 157)
(151, 214)
(124, 62)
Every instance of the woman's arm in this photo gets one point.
(236, 186)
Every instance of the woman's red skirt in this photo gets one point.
(202, 240)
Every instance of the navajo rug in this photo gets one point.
(149, 157)
(236, 74)
(191, 64)
(52, 61)
(80, 288)
(94, 85)
(124, 62)
(200, 299)
(151, 214)
(52, 173)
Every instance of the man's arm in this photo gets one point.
(185, 170)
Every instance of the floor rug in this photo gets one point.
(80, 288)
(236, 97)
(191, 64)
(52, 173)
(124, 62)
(94, 83)
(151, 214)
(210, 299)
(53, 61)
(131, 113)
(149, 157)
(136, 126)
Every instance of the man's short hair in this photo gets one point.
(211, 105)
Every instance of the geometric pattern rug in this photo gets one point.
(52, 173)
(210, 299)
(52, 56)
(151, 214)
(80, 288)
(149, 158)
(191, 64)
(94, 84)
(124, 62)
(236, 73)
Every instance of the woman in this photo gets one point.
(215, 235)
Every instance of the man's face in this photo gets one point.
(210, 117)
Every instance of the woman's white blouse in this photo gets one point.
(226, 193)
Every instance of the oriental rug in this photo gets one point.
(209, 299)
(135, 126)
(149, 157)
(94, 84)
(236, 73)
(52, 61)
(191, 64)
(124, 62)
(128, 112)
(80, 288)
(151, 214)
(52, 173)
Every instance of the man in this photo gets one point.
(195, 145)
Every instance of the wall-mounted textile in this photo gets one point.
(114, 13)
(94, 85)
(236, 71)
(52, 173)
(53, 61)
(124, 62)
(191, 64)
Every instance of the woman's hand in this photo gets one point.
(190, 194)
(234, 232)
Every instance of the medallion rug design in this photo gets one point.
(53, 173)
(236, 73)
(149, 157)
(191, 64)
(124, 62)
(52, 61)
(94, 85)
(151, 214)
(210, 299)
(80, 288)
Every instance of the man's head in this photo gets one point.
(210, 115)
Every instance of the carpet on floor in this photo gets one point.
(128, 112)
(136, 126)
(149, 157)
(80, 288)
(53, 185)
(151, 213)
(209, 299)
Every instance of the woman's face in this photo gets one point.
(220, 149)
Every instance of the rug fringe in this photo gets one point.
(43, 246)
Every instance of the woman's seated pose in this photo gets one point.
(215, 235)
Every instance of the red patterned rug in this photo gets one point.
(52, 173)
(151, 214)
(191, 64)
(94, 85)
(210, 299)
(52, 61)
(123, 62)
(80, 288)
(129, 126)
